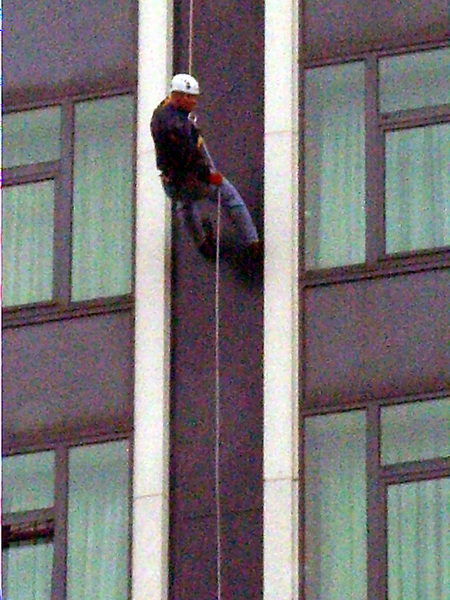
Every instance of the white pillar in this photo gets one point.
(152, 360)
(281, 301)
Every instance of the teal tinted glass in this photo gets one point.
(417, 431)
(419, 540)
(103, 198)
(415, 80)
(335, 502)
(418, 188)
(31, 136)
(28, 482)
(28, 222)
(98, 522)
(28, 570)
(335, 166)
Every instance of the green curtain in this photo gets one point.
(418, 188)
(419, 540)
(28, 222)
(415, 431)
(103, 198)
(28, 484)
(28, 571)
(31, 136)
(417, 160)
(414, 80)
(335, 166)
(335, 506)
(28, 481)
(98, 522)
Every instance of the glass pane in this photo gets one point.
(335, 166)
(28, 481)
(98, 522)
(417, 431)
(103, 198)
(418, 188)
(28, 570)
(31, 136)
(415, 80)
(28, 222)
(336, 507)
(419, 540)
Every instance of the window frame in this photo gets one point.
(61, 170)
(378, 478)
(52, 523)
(377, 263)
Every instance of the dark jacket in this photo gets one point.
(179, 152)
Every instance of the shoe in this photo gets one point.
(208, 248)
(248, 260)
(252, 253)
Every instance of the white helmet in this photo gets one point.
(185, 83)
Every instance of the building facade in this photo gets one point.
(333, 120)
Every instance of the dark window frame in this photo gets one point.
(378, 478)
(377, 263)
(61, 170)
(52, 523)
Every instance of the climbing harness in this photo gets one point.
(217, 343)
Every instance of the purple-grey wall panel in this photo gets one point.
(229, 62)
(52, 46)
(68, 375)
(334, 27)
(193, 571)
(378, 339)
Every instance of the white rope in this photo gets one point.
(217, 367)
(217, 342)
(191, 35)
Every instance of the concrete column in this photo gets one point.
(152, 358)
(281, 301)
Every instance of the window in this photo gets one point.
(68, 203)
(414, 80)
(377, 501)
(415, 431)
(28, 225)
(103, 188)
(335, 166)
(28, 498)
(335, 506)
(97, 564)
(419, 539)
(377, 156)
(31, 137)
(81, 489)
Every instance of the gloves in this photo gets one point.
(215, 178)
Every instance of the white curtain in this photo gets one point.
(419, 540)
(335, 166)
(418, 188)
(103, 198)
(28, 571)
(28, 243)
(336, 507)
(98, 522)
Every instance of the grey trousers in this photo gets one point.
(188, 209)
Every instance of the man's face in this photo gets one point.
(188, 102)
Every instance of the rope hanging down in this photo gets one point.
(217, 342)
